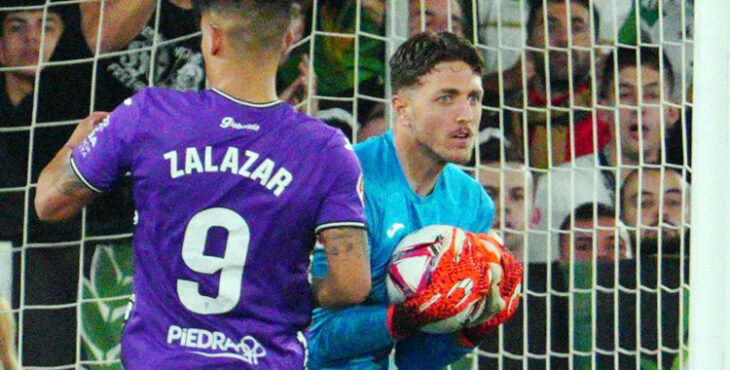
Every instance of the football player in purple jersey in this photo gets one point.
(231, 187)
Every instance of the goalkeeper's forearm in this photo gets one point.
(424, 351)
(350, 333)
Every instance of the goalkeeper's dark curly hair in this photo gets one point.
(263, 23)
(419, 54)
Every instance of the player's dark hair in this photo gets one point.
(627, 57)
(263, 22)
(419, 54)
(585, 212)
(536, 7)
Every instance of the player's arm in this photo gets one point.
(356, 334)
(348, 282)
(60, 193)
(428, 351)
(122, 21)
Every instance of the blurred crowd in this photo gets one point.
(583, 146)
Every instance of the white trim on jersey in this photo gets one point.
(305, 345)
(81, 177)
(339, 224)
(243, 102)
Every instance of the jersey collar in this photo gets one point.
(246, 103)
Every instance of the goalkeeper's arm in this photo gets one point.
(424, 351)
(354, 332)
(349, 334)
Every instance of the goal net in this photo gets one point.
(583, 145)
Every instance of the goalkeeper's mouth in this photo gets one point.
(462, 137)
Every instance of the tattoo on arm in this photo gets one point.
(348, 281)
(344, 243)
(69, 183)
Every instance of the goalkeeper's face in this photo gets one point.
(21, 39)
(442, 112)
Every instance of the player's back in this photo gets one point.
(228, 196)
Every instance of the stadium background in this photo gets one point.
(69, 283)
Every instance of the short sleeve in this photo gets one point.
(107, 152)
(342, 185)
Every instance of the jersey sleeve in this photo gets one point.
(423, 351)
(343, 185)
(107, 152)
(354, 335)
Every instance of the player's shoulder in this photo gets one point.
(159, 97)
(317, 132)
(459, 182)
(373, 150)
(459, 178)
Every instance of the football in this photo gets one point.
(411, 264)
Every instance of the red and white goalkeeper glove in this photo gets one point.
(457, 281)
(504, 296)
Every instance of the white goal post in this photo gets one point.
(710, 279)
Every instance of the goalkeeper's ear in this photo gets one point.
(401, 107)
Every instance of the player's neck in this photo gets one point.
(17, 87)
(251, 82)
(420, 168)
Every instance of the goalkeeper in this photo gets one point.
(409, 184)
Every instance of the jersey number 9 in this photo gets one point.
(230, 265)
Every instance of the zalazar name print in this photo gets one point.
(240, 162)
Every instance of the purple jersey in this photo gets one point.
(229, 197)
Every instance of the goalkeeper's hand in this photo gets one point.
(503, 298)
(457, 281)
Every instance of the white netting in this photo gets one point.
(69, 283)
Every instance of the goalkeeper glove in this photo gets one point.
(456, 282)
(503, 301)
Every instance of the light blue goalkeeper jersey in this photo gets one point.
(357, 337)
